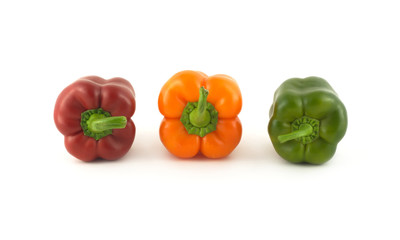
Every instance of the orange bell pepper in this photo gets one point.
(200, 114)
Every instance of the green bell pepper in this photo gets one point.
(307, 120)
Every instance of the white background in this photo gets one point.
(149, 194)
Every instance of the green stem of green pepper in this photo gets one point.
(304, 130)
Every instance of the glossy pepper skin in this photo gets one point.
(200, 114)
(307, 120)
(94, 115)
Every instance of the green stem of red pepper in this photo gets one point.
(97, 123)
(102, 124)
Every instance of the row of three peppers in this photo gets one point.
(200, 116)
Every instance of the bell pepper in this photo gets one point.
(94, 115)
(307, 120)
(200, 115)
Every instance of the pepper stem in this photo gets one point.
(102, 124)
(97, 123)
(303, 131)
(200, 117)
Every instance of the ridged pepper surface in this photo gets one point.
(94, 115)
(200, 114)
(307, 120)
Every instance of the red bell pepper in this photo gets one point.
(94, 115)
